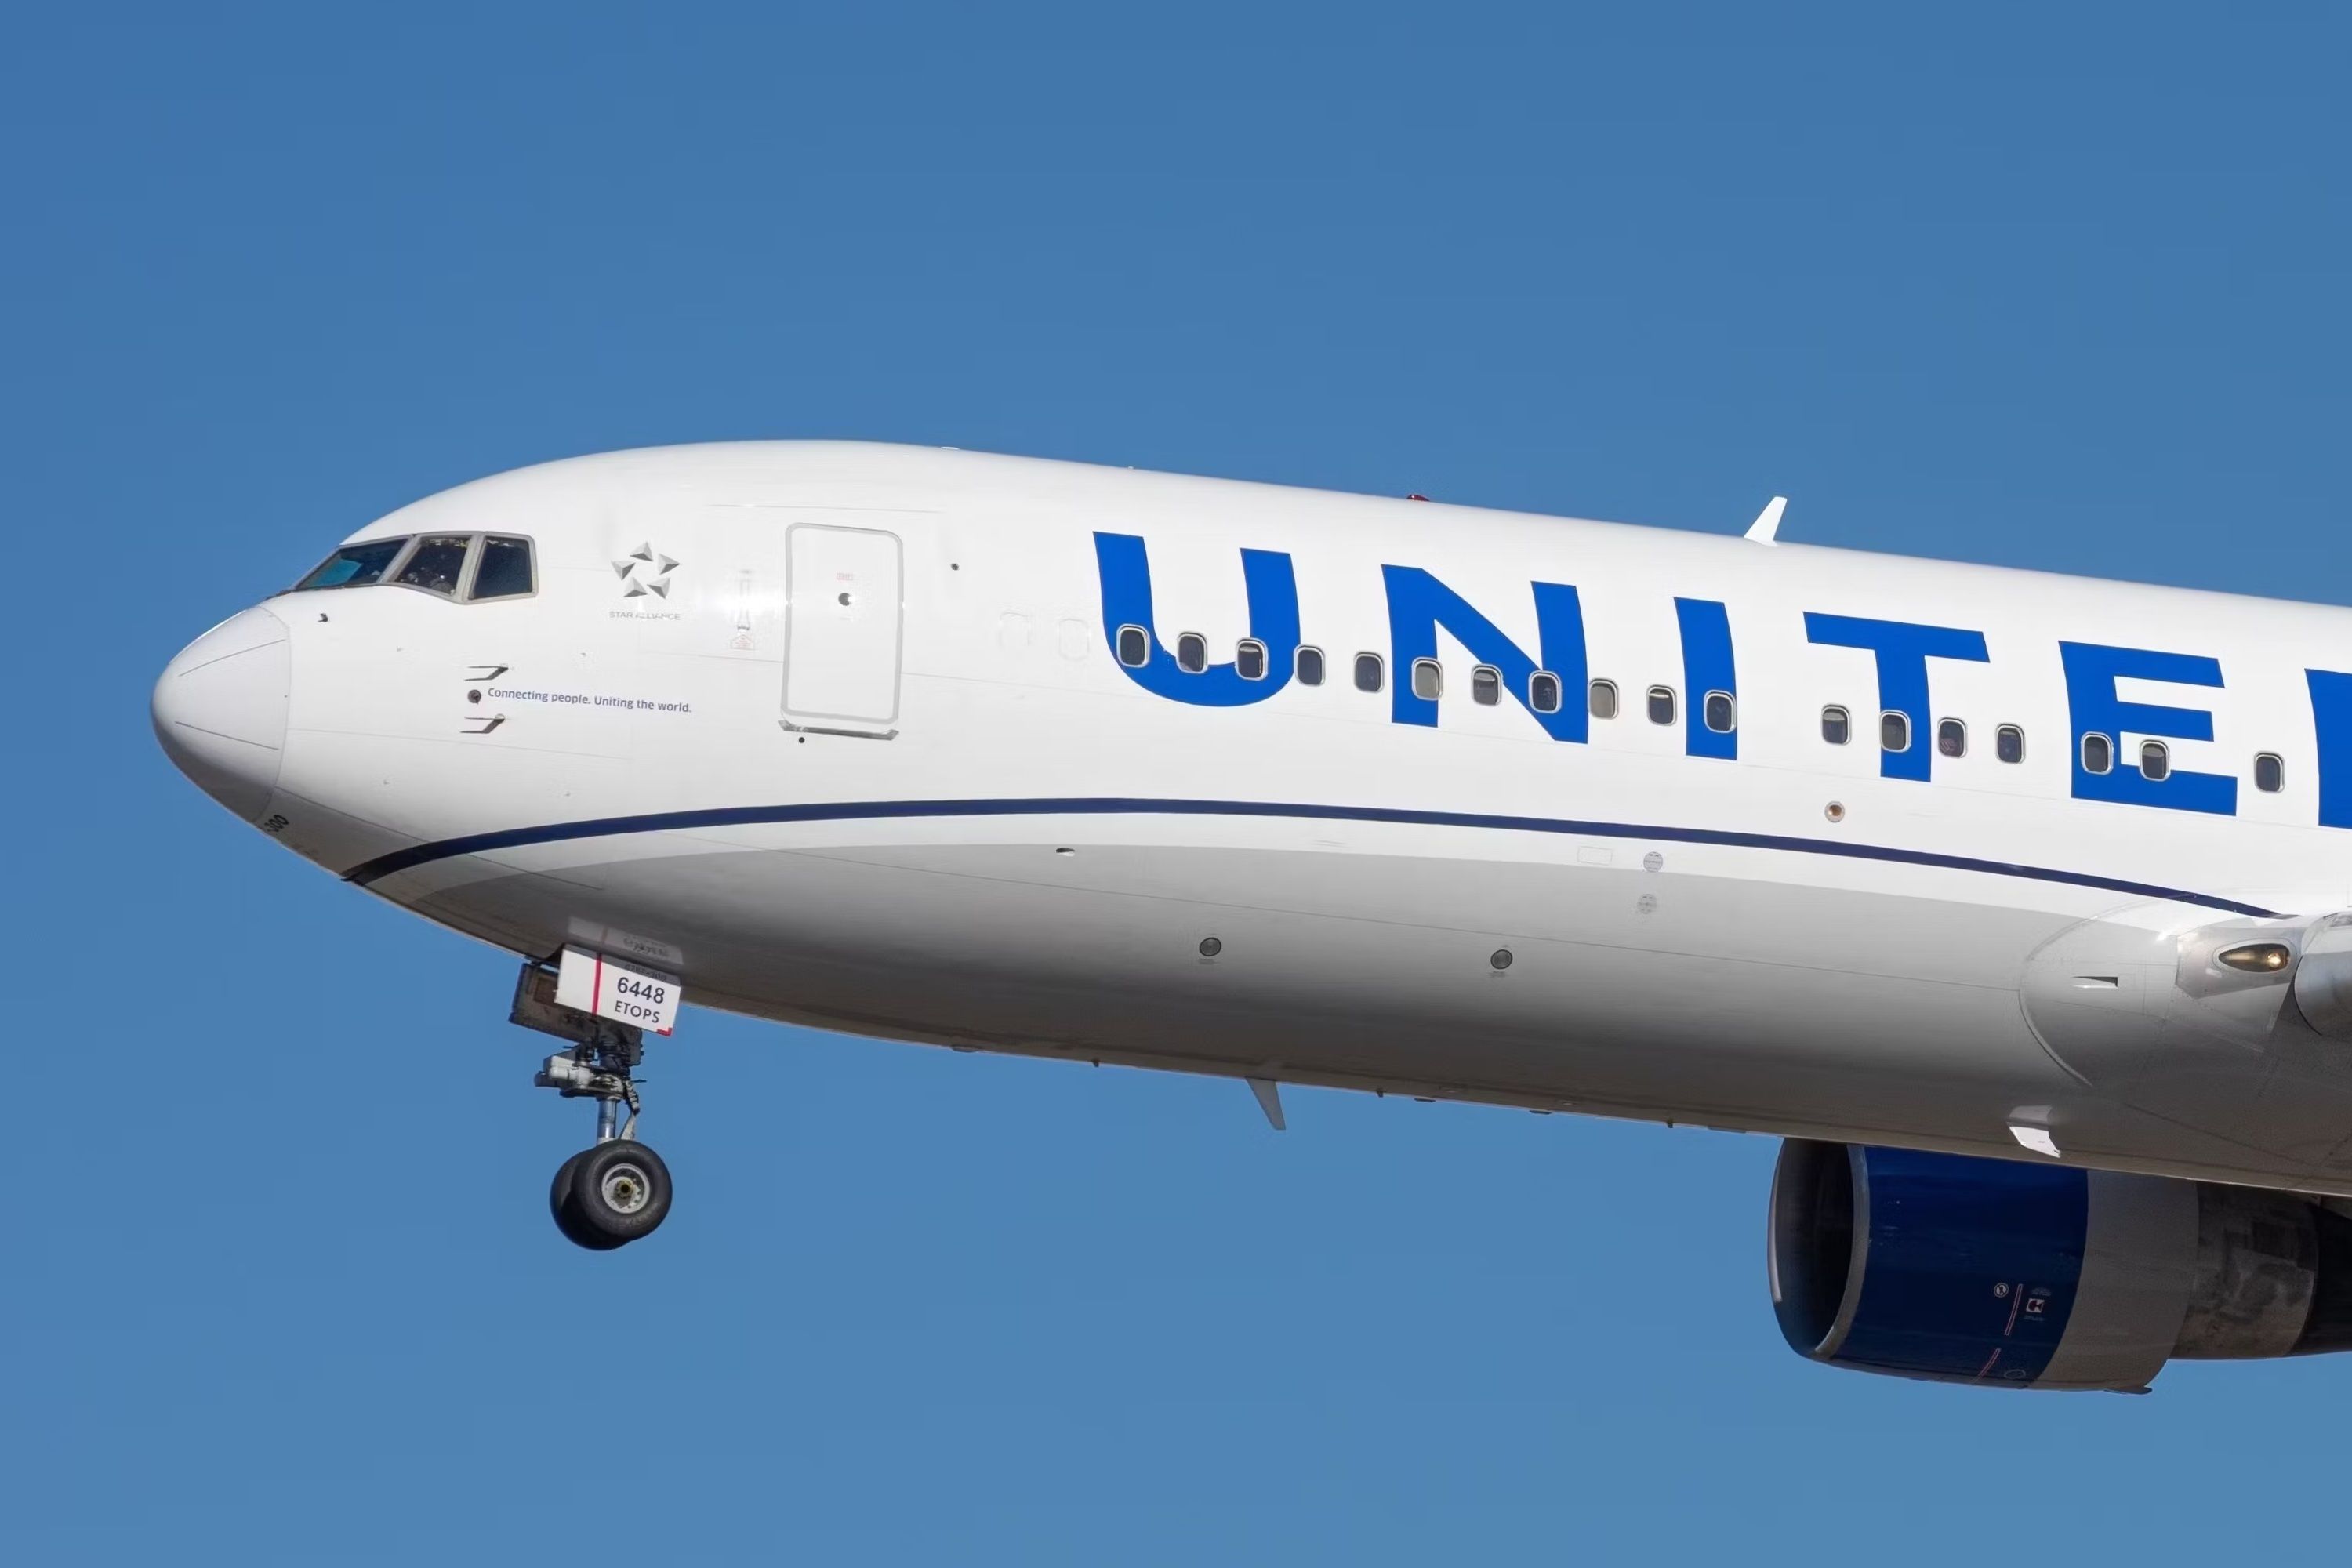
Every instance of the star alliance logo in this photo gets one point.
(644, 570)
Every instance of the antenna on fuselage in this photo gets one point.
(1269, 1099)
(1767, 521)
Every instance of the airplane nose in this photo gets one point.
(220, 709)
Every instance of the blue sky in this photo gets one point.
(2053, 290)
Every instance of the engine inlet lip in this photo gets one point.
(1817, 1289)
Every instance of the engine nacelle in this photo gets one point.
(2041, 1275)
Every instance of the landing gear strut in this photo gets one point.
(619, 1190)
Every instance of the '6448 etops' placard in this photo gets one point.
(609, 988)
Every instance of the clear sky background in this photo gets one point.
(2054, 287)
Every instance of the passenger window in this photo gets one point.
(1952, 738)
(1894, 732)
(1370, 672)
(2270, 773)
(436, 563)
(1191, 652)
(1543, 691)
(1249, 660)
(354, 565)
(2098, 754)
(1719, 713)
(1601, 699)
(1837, 725)
(504, 570)
(2155, 760)
(1428, 679)
(1134, 646)
(2009, 743)
(1485, 686)
(1661, 705)
(1309, 665)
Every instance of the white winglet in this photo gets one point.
(1767, 521)
(1269, 1099)
(2037, 1138)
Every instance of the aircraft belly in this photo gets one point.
(1728, 998)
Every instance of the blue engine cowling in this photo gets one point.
(2042, 1276)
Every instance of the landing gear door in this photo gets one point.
(841, 629)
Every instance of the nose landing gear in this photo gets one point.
(619, 1190)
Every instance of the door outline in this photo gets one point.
(887, 723)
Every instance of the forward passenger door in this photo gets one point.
(843, 633)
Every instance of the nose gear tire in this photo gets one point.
(620, 1192)
(567, 1214)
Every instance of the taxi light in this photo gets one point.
(2260, 958)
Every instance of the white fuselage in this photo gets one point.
(840, 733)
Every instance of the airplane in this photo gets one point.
(2020, 906)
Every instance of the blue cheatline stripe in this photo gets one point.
(880, 810)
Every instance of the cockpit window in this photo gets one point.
(502, 565)
(504, 570)
(439, 561)
(354, 565)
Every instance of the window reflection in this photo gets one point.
(354, 565)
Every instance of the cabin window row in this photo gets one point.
(1895, 734)
(1719, 710)
(2009, 745)
(1545, 693)
(2099, 756)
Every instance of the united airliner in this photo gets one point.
(2019, 906)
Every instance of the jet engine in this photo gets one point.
(2041, 1275)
